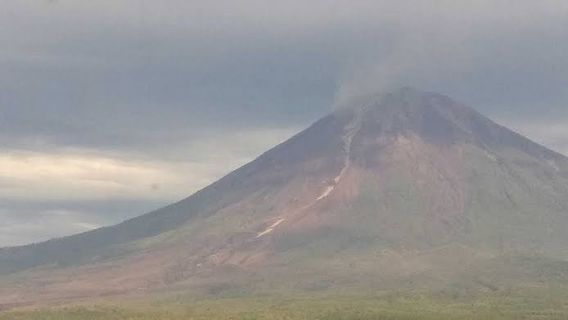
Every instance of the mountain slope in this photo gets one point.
(266, 172)
(409, 190)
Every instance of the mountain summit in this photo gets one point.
(410, 190)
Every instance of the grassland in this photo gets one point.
(533, 305)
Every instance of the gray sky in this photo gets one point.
(110, 108)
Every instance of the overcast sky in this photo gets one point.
(111, 108)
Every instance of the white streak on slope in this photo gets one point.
(350, 132)
(270, 228)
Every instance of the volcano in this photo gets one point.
(409, 190)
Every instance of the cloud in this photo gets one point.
(500, 57)
(135, 70)
(88, 174)
(74, 176)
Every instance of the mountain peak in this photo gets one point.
(402, 94)
(408, 110)
(437, 119)
(407, 103)
(405, 99)
(407, 92)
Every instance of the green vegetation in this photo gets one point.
(391, 307)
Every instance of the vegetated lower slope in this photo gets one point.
(412, 191)
(522, 305)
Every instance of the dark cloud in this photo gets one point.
(113, 74)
